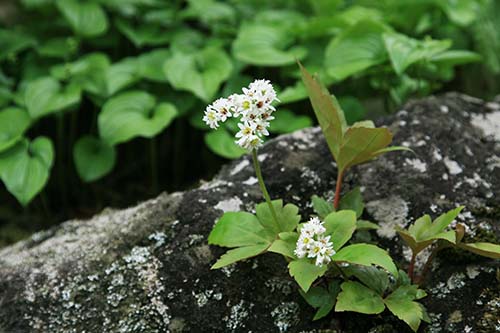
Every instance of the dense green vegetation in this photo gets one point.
(96, 92)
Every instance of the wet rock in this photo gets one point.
(147, 268)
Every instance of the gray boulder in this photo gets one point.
(147, 268)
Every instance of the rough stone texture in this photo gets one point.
(146, 268)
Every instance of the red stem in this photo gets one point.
(336, 201)
(412, 266)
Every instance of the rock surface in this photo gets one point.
(147, 268)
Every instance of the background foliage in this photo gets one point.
(101, 100)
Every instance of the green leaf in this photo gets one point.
(14, 42)
(222, 143)
(45, 95)
(353, 201)
(363, 225)
(87, 19)
(353, 109)
(358, 298)
(201, 73)
(287, 215)
(455, 57)
(460, 12)
(143, 34)
(483, 249)
(442, 222)
(25, 168)
(93, 158)
(322, 298)
(149, 64)
(121, 74)
(321, 206)
(305, 272)
(340, 225)
(286, 122)
(328, 112)
(236, 229)
(58, 47)
(238, 254)
(372, 277)
(266, 45)
(132, 114)
(13, 123)
(401, 303)
(356, 49)
(286, 246)
(366, 254)
(360, 145)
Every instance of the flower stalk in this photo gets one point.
(262, 185)
(338, 187)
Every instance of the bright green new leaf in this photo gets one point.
(13, 123)
(305, 272)
(266, 45)
(25, 168)
(489, 250)
(340, 226)
(285, 246)
(221, 142)
(286, 122)
(201, 73)
(132, 114)
(358, 298)
(236, 229)
(287, 215)
(366, 254)
(353, 200)
(238, 254)
(45, 95)
(363, 225)
(356, 49)
(150, 63)
(93, 158)
(321, 206)
(87, 18)
(372, 277)
(401, 303)
(329, 114)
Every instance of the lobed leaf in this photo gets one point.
(366, 254)
(340, 226)
(288, 217)
(358, 298)
(93, 158)
(305, 272)
(401, 303)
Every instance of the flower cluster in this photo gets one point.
(313, 244)
(254, 107)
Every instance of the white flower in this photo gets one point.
(223, 108)
(211, 118)
(313, 244)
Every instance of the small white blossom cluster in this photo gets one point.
(313, 244)
(254, 107)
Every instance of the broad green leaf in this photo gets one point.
(238, 254)
(360, 144)
(201, 73)
(13, 123)
(356, 49)
(372, 277)
(45, 95)
(151, 63)
(353, 201)
(358, 298)
(366, 254)
(132, 114)
(286, 122)
(14, 42)
(483, 249)
(58, 47)
(321, 206)
(285, 247)
(305, 272)
(363, 225)
(340, 226)
(236, 229)
(121, 74)
(460, 12)
(87, 19)
(405, 51)
(143, 34)
(287, 215)
(455, 57)
(25, 168)
(222, 143)
(354, 110)
(266, 45)
(328, 112)
(93, 158)
(401, 303)
(322, 298)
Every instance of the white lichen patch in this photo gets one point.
(229, 205)
(452, 166)
(250, 181)
(283, 286)
(237, 314)
(203, 297)
(158, 237)
(416, 164)
(489, 123)
(472, 271)
(389, 213)
(436, 155)
(240, 166)
(286, 315)
(456, 281)
(228, 270)
(311, 176)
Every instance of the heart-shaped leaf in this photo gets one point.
(222, 143)
(132, 114)
(201, 73)
(340, 226)
(13, 123)
(149, 64)
(366, 254)
(266, 45)
(13, 42)
(25, 168)
(93, 158)
(358, 298)
(87, 18)
(143, 34)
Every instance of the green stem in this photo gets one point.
(336, 200)
(262, 185)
